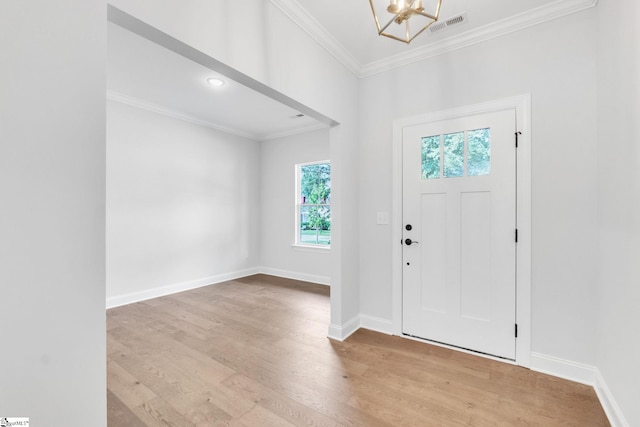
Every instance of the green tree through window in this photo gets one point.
(314, 205)
(451, 147)
(479, 152)
(431, 157)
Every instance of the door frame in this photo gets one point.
(522, 106)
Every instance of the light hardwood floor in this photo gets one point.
(254, 352)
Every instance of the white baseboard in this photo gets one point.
(376, 324)
(562, 368)
(130, 298)
(341, 333)
(133, 297)
(611, 408)
(322, 280)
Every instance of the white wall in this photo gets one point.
(277, 223)
(181, 204)
(618, 338)
(258, 39)
(555, 62)
(52, 179)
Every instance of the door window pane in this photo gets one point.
(454, 154)
(479, 161)
(431, 157)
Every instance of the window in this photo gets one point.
(470, 150)
(313, 204)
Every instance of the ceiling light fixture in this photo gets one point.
(215, 82)
(402, 12)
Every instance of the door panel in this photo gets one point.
(475, 255)
(459, 195)
(433, 239)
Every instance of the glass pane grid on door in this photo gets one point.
(450, 155)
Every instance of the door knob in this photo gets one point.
(409, 242)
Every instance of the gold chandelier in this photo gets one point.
(401, 14)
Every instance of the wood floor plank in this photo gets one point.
(254, 352)
(126, 386)
(260, 416)
(281, 405)
(119, 415)
(258, 362)
(182, 391)
(158, 412)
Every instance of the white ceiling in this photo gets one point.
(354, 26)
(143, 73)
(347, 28)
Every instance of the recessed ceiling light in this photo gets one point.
(215, 82)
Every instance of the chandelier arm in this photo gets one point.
(387, 24)
(375, 16)
(420, 32)
(391, 36)
(428, 15)
(436, 14)
(408, 32)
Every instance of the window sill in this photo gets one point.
(309, 248)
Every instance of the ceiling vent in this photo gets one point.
(450, 22)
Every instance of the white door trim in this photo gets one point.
(522, 106)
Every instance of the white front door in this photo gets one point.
(459, 232)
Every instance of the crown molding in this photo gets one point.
(174, 114)
(308, 23)
(168, 112)
(505, 26)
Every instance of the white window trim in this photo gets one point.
(296, 244)
(311, 248)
